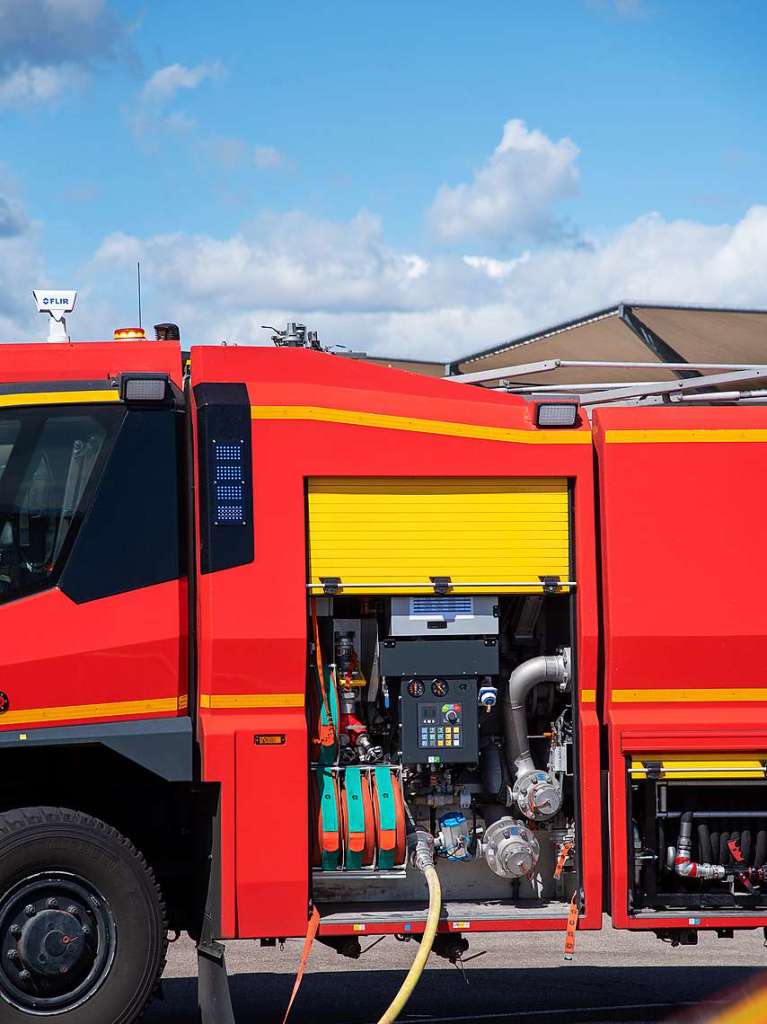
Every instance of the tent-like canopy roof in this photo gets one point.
(631, 332)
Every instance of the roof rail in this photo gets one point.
(701, 389)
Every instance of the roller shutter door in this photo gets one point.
(381, 532)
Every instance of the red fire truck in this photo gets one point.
(292, 643)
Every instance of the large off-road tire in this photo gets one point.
(83, 933)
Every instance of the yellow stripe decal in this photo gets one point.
(703, 696)
(419, 426)
(684, 436)
(116, 709)
(588, 696)
(59, 398)
(251, 700)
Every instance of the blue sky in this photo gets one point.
(416, 177)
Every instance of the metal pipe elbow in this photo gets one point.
(546, 668)
(542, 669)
(684, 865)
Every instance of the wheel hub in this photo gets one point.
(52, 943)
(57, 942)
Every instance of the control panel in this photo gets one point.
(441, 725)
(438, 720)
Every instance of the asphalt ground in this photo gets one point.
(521, 978)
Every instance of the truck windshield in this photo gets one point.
(49, 462)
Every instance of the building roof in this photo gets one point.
(429, 368)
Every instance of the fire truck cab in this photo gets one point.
(282, 631)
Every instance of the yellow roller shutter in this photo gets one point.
(378, 532)
(699, 766)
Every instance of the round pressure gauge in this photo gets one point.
(439, 687)
(416, 688)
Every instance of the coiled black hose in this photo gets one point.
(745, 845)
(760, 854)
(704, 844)
(713, 846)
(724, 850)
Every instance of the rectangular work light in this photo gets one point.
(144, 387)
(556, 414)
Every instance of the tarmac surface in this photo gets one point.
(521, 978)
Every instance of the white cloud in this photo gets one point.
(150, 119)
(288, 259)
(495, 268)
(163, 85)
(21, 270)
(346, 281)
(31, 83)
(49, 31)
(50, 47)
(513, 194)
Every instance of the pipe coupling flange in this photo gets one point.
(510, 848)
(687, 868)
(537, 795)
(422, 849)
(565, 656)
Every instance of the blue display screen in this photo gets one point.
(228, 484)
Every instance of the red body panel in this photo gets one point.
(64, 663)
(120, 657)
(683, 564)
(88, 360)
(273, 829)
(252, 619)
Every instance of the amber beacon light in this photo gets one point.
(130, 334)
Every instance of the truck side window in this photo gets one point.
(133, 534)
(49, 460)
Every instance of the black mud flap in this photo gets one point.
(213, 997)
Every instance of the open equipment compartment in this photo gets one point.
(699, 832)
(460, 694)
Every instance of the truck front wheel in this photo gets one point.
(82, 924)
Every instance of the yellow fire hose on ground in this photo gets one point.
(423, 859)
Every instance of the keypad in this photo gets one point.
(440, 725)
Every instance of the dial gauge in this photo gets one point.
(416, 688)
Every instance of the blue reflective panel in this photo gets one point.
(228, 482)
(229, 492)
(230, 513)
(227, 451)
